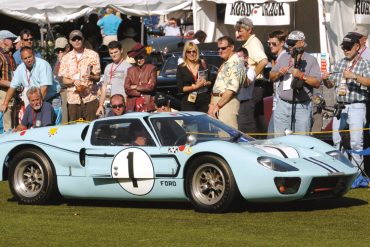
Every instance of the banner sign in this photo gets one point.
(262, 14)
(362, 11)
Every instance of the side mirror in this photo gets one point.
(191, 140)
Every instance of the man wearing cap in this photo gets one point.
(61, 48)
(224, 103)
(257, 60)
(363, 33)
(140, 82)
(114, 76)
(351, 78)
(298, 73)
(33, 71)
(7, 66)
(109, 24)
(80, 70)
(26, 40)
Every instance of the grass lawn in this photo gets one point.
(334, 222)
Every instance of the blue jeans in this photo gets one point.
(354, 117)
(283, 117)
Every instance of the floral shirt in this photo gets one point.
(73, 68)
(231, 75)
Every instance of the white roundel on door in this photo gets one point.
(133, 169)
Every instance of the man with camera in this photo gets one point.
(297, 73)
(351, 78)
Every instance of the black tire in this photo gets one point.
(32, 179)
(210, 184)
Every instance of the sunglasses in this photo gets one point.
(57, 50)
(347, 46)
(291, 42)
(28, 40)
(274, 44)
(222, 48)
(76, 38)
(117, 106)
(139, 57)
(191, 52)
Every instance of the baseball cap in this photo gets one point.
(5, 34)
(296, 35)
(161, 100)
(244, 22)
(351, 38)
(76, 33)
(293, 37)
(61, 42)
(17, 40)
(361, 30)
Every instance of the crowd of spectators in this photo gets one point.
(74, 88)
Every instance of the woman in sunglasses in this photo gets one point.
(140, 82)
(192, 80)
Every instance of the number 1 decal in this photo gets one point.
(133, 169)
(130, 158)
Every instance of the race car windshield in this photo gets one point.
(174, 130)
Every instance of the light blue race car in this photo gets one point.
(169, 157)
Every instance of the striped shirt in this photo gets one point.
(355, 91)
(7, 66)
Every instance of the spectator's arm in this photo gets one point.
(150, 86)
(260, 66)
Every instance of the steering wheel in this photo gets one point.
(179, 139)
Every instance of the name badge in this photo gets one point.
(287, 82)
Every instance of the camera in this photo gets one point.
(297, 84)
(338, 110)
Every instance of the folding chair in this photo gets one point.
(364, 178)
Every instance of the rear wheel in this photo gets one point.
(32, 178)
(210, 184)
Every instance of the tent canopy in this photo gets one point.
(57, 11)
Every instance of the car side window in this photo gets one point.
(120, 133)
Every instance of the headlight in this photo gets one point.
(340, 156)
(276, 164)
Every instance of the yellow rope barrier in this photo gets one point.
(81, 120)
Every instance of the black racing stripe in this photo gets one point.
(280, 150)
(43, 143)
(318, 165)
(324, 164)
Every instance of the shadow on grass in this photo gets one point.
(130, 204)
(243, 206)
(311, 205)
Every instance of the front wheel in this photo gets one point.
(210, 184)
(32, 179)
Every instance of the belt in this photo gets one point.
(295, 102)
(244, 100)
(354, 102)
(217, 94)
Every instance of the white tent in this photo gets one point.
(42, 12)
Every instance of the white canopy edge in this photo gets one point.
(57, 11)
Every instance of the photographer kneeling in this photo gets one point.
(351, 78)
(297, 73)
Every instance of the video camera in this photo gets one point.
(338, 107)
(297, 84)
